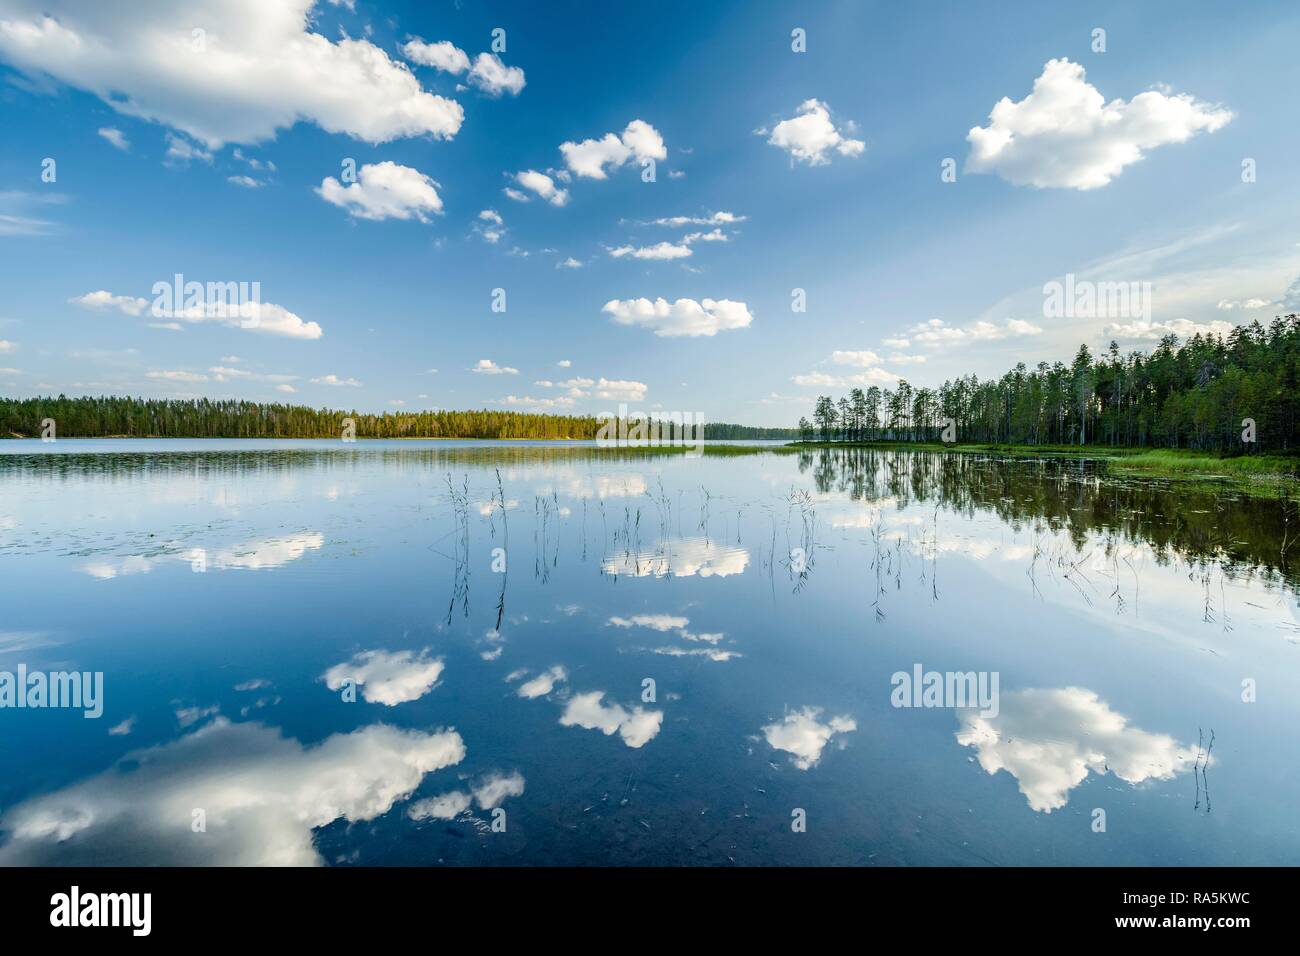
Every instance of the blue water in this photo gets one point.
(613, 658)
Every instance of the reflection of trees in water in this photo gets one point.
(1076, 497)
(67, 462)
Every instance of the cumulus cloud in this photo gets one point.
(682, 558)
(711, 653)
(102, 299)
(1064, 134)
(492, 791)
(494, 78)
(489, 367)
(1251, 305)
(873, 375)
(488, 73)
(712, 219)
(115, 137)
(539, 404)
(637, 727)
(804, 736)
(1049, 740)
(335, 381)
(258, 555)
(266, 318)
(542, 684)
(811, 137)
(177, 376)
(443, 55)
(591, 157)
(181, 151)
(936, 332)
(254, 68)
(263, 795)
(447, 806)
(387, 677)
(541, 184)
(860, 359)
(1141, 329)
(611, 390)
(657, 622)
(685, 317)
(384, 191)
(659, 251)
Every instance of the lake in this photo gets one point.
(519, 653)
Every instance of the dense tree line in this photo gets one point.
(1190, 395)
(114, 416)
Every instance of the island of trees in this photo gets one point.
(114, 416)
(1202, 394)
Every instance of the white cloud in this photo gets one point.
(177, 376)
(564, 363)
(569, 263)
(443, 55)
(1183, 328)
(657, 622)
(803, 735)
(543, 683)
(683, 317)
(6, 346)
(589, 158)
(937, 332)
(1064, 134)
(115, 136)
(680, 557)
(492, 216)
(102, 299)
(255, 69)
(490, 793)
(387, 677)
(257, 555)
(493, 77)
(540, 183)
(334, 380)
(712, 219)
(180, 150)
(266, 318)
(489, 367)
(613, 390)
(447, 806)
(711, 653)
(660, 251)
(253, 161)
(861, 359)
(811, 137)
(1050, 739)
(493, 790)
(1247, 304)
(248, 182)
(285, 388)
(539, 404)
(385, 191)
(263, 795)
(637, 727)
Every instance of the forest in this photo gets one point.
(125, 417)
(1227, 394)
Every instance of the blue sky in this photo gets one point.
(1125, 166)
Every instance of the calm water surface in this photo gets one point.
(568, 656)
